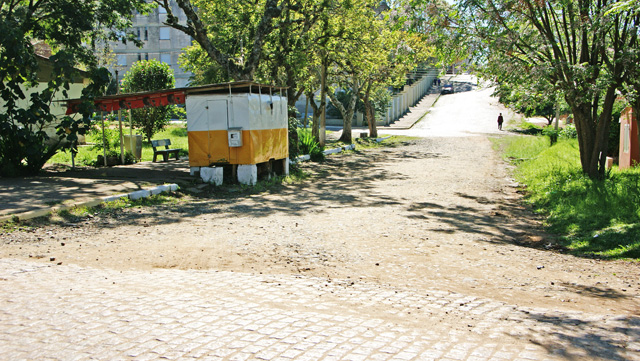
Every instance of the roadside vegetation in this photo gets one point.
(87, 155)
(597, 218)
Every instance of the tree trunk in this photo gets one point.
(593, 134)
(315, 128)
(369, 112)
(371, 118)
(347, 113)
(321, 136)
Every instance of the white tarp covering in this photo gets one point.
(246, 111)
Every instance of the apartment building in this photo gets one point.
(161, 42)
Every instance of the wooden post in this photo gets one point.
(131, 142)
(104, 140)
(306, 113)
(121, 137)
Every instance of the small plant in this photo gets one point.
(308, 145)
(569, 132)
(111, 137)
(113, 158)
(552, 133)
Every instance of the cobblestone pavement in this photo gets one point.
(72, 313)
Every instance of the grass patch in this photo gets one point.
(77, 214)
(87, 154)
(593, 217)
(393, 141)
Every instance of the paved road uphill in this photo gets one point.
(420, 251)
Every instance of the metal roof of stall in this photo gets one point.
(170, 96)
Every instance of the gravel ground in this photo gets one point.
(424, 215)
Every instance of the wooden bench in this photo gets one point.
(166, 152)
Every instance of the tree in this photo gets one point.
(577, 44)
(533, 97)
(358, 28)
(231, 33)
(148, 75)
(71, 28)
(394, 53)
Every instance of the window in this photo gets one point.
(146, 56)
(138, 31)
(146, 33)
(122, 60)
(165, 58)
(139, 56)
(165, 33)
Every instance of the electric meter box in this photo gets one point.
(235, 137)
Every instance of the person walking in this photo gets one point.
(500, 121)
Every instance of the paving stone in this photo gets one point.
(208, 315)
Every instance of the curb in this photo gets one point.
(427, 112)
(307, 157)
(92, 203)
(418, 120)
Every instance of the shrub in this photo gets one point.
(552, 133)
(309, 145)
(293, 125)
(111, 135)
(569, 132)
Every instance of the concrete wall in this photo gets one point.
(399, 105)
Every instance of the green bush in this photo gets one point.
(293, 126)
(99, 161)
(569, 132)
(551, 132)
(111, 135)
(308, 145)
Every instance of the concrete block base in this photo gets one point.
(115, 198)
(139, 194)
(248, 174)
(212, 175)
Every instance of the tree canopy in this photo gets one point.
(71, 29)
(584, 48)
(306, 45)
(148, 75)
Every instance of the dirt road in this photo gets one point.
(439, 213)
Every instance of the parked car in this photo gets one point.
(447, 89)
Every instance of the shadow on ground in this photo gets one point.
(595, 339)
(57, 187)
